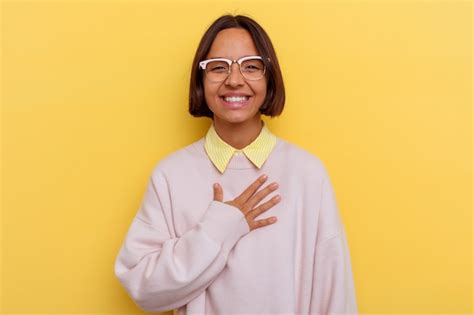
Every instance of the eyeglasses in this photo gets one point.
(218, 69)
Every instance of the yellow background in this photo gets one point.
(94, 93)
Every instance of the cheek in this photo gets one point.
(261, 90)
(210, 88)
(209, 93)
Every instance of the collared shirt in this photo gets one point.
(257, 152)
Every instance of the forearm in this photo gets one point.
(161, 273)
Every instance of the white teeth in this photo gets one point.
(236, 98)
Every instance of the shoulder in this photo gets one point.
(181, 159)
(301, 160)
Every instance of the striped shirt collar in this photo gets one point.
(220, 152)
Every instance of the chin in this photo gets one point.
(235, 118)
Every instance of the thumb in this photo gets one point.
(218, 194)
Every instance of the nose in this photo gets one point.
(234, 78)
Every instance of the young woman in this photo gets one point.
(212, 236)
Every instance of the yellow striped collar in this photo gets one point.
(221, 152)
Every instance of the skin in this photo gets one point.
(237, 127)
(246, 202)
(242, 126)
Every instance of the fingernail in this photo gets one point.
(264, 177)
(216, 185)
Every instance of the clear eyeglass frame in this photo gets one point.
(203, 64)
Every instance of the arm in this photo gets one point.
(333, 285)
(161, 272)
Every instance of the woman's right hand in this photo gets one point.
(247, 201)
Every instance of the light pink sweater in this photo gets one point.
(186, 252)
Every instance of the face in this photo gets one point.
(234, 43)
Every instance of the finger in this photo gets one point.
(261, 223)
(252, 214)
(218, 193)
(243, 197)
(255, 199)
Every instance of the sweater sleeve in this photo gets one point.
(333, 285)
(161, 272)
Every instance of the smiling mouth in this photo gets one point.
(235, 99)
(235, 102)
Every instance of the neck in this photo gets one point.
(239, 135)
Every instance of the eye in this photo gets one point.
(252, 65)
(217, 66)
(252, 68)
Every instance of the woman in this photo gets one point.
(269, 248)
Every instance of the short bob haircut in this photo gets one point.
(275, 98)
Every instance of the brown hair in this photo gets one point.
(275, 98)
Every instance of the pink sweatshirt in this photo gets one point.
(187, 252)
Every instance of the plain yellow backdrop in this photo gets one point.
(94, 93)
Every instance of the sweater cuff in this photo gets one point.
(224, 223)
